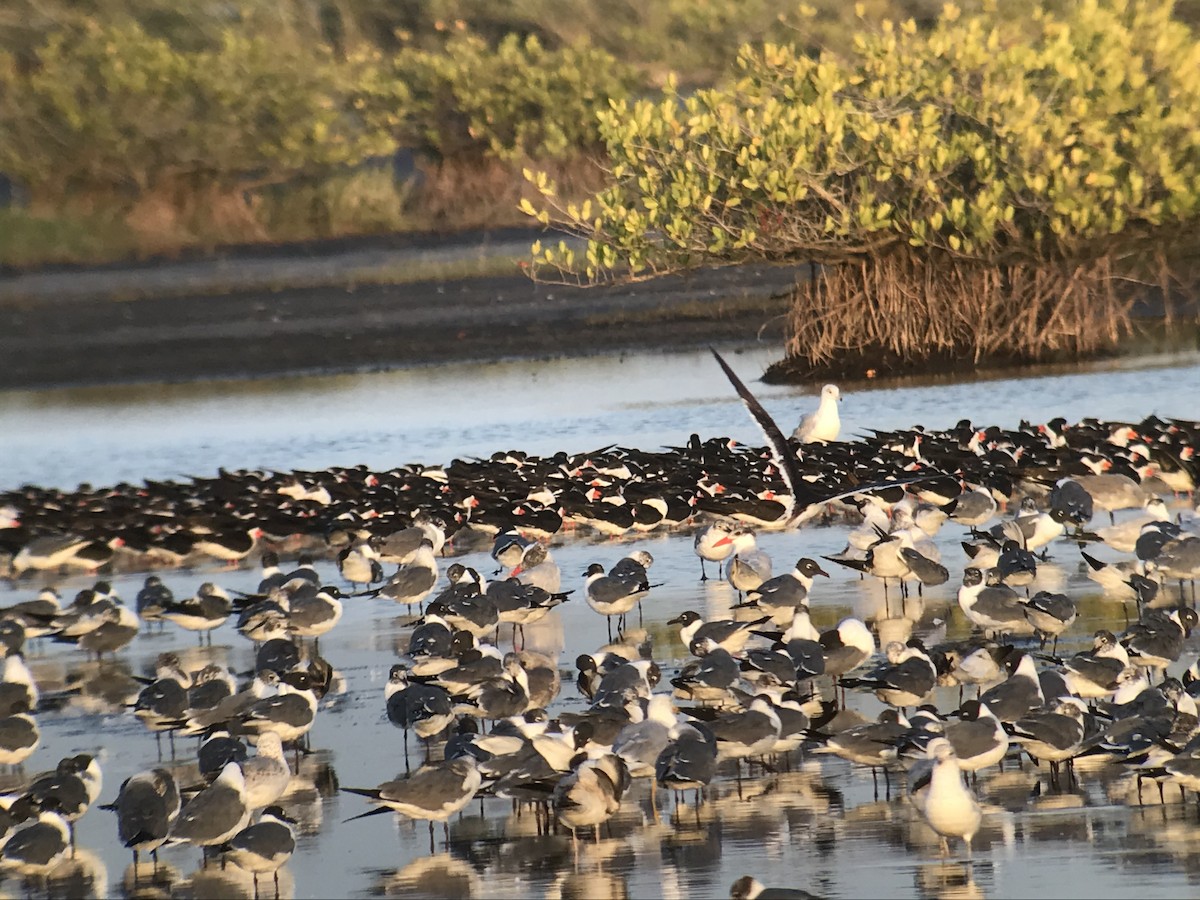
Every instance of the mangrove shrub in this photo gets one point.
(516, 100)
(113, 116)
(972, 190)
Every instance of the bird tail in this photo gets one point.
(377, 811)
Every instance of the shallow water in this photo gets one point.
(821, 825)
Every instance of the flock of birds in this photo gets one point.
(757, 686)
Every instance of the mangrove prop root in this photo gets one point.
(915, 308)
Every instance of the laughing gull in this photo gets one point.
(773, 666)
(751, 732)
(906, 678)
(425, 708)
(414, 580)
(639, 744)
(17, 685)
(210, 608)
(612, 595)
(543, 675)
(152, 598)
(991, 606)
(215, 814)
(750, 888)
(630, 680)
(689, 761)
(1123, 536)
(939, 793)
(1031, 527)
(708, 678)
(871, 744)
(973, 507)
(314, 610)
(590, 793)
(521, 604)
(36, 849)
(266, 774)
(162, 705)
(847, 646)
(1056, 735)
(430, 639)
(264, 846)
(74, 785)
(725, 632)
(1072, 500)
(503, 696)
(400, 546)
(19, 737)
(823, 424)
(1019, 693)
(1134, 579)
(359, 562)
(289, 713)
(1050, 614)
(749, 566)
(783, 594)
(979, 738)
(508, 548)
(434, 792)
(1095, 673)
(218, 748)
(145, 806)
(1112, 492)
(1016, 566)
(1157, 640)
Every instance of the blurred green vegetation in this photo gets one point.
(144, 126)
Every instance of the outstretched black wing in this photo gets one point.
(780, 451)
(806, 500)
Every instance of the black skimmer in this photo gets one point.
(713, 542)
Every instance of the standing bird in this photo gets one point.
(612, 595)
(937, 790)
(359, 563)
(433, 792)
(209, 609)
(145, 806)
(426, 708)
(823, 424)
(264, 846)
(784, 594)
(215, 814)
(591, 793)
(413, 580)
(714, 543)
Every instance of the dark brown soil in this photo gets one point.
(68, 338)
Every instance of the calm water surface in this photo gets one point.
(820, 825)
